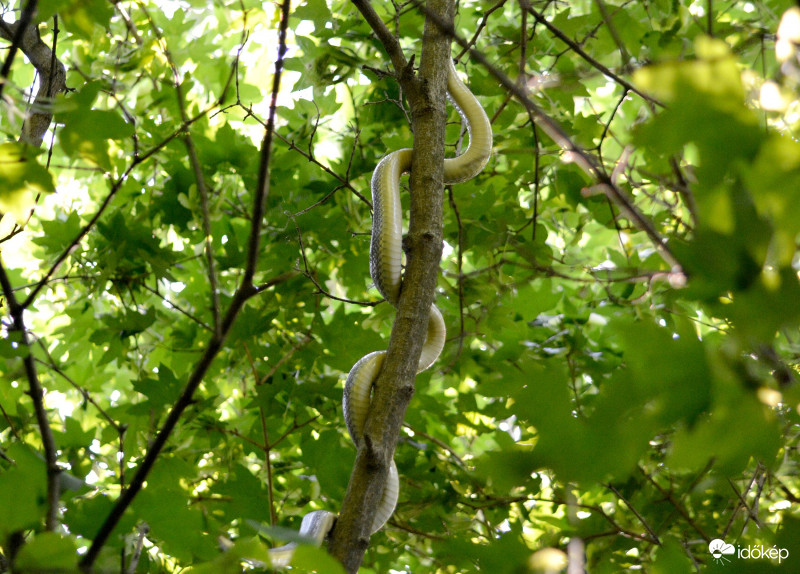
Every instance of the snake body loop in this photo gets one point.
(385, 263)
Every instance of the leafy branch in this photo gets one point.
(244, 292)
(573, 152)
(17, 312)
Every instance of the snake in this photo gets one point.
(386, 267)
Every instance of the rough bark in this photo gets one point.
(394, 386)
(52, 78)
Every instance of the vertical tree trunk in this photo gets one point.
(395, 384)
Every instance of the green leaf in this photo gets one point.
(161, 391)
(694, 448)
(312, 559)
(59, 233)
(706, 108)
(329, 459)
(48, 551)
(22, 179)
(22, 492)
(87, 130)
(84, 516)
(78, 16)
(315, 10)
(670, 558)
(74, 436)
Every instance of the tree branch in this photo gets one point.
(37, 395)
(575, 47)
(52, 74)
(394, 386)
(16, 36)
(390, 42)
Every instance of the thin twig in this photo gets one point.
(137, 551)
(389, 40)
(308, 273)
(676, 504)
(623, 51)
(636, 513)
(575, 47)
(129, 23)
(177, 307)
(459, 277)
(440, 443)
(209, 250)
(307, 338)
(9, 422)
(273, 517)
(84, 393)
(345, 181)
(482, 24)
(197, 169)
(282, 278)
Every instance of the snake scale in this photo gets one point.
(385, 264)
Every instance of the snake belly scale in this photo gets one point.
(385, 264)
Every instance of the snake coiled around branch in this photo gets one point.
(385, 263)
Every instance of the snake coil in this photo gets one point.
(385, 263)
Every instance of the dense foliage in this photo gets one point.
(625, 392)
